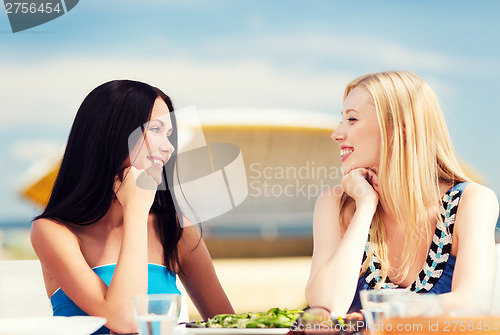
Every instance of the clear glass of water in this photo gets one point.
(377, 304)
(417, 305)
(156, 314)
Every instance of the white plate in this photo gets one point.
(54, 325)
(236, 331)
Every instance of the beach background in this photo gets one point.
(265, 60)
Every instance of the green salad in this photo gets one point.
(274, 318)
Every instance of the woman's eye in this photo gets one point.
(155, 129)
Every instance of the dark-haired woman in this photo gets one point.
(107, 234)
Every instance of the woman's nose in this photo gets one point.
(338, 134)
(167, 147)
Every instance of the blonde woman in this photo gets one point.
(405, 214)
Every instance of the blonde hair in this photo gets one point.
(416, 155)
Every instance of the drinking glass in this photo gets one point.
(416, 305)
(377, 304)
(156, 314)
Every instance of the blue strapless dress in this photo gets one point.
(160, 280)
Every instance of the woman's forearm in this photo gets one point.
(334, 283)
(199, 276)
(131, 274)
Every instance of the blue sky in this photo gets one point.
(290, 54)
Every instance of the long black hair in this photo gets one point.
(96, 150)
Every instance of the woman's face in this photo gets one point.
(359, 133)
(155, 150)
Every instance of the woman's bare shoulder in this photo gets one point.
(479, 195)
(46, 231)
(45, 225)
(190, 238)
(478, 207)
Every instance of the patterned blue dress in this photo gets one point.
(437, 273)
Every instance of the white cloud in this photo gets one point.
(305, 70)
(254, 21)
(52, 92)
(336, 50)
(34, 149)
(336, 47)
(37, 157)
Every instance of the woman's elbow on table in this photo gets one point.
(122, 325)
(470, 303)
(119, 319)
(326, 298)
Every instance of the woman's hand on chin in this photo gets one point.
(137, 188)
(361, 184)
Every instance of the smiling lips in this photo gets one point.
(157, 162)
(345, 152)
